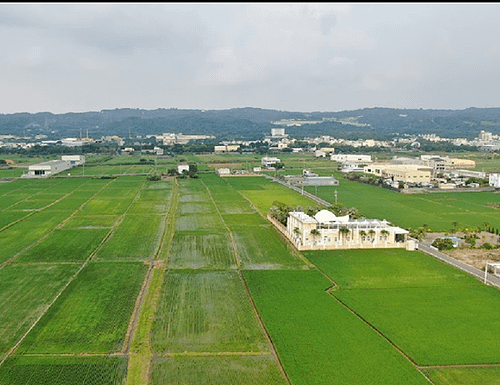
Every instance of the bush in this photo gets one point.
(443, 244)
(487, 246)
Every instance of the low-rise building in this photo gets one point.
(74, 160)
(268, 161)
(182, 167)
(494, 180)
(223, 171)
(351, 158)
(326, 231)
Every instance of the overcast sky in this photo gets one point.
(296, 57)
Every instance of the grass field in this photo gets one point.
(205, 311)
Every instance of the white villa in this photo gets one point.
(334, 232)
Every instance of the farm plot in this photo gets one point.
(437, 210)
(433, 312)
(465, 376)
(31, 205)
(317, 339)
(228, 200)
(261, 247)
(12, 172)
(244, 370)
(135, 238)
(152, 200)
(205, 311)
(109, 206)
(92, 314)
(8, 217)
(69, 245)
(211, 223)
(263, 192)
(63, 371)
(434, 326)
(28, 231)
(196, 250)
(25, 291)
(386, 269)
(90, 222)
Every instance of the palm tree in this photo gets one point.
(372, 234)
(315, 233)
(344, 231)
(385, 233)
(362, 233)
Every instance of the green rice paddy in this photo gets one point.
(75, 253)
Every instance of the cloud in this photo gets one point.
(339, 61)
(327, 22)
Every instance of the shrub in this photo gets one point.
(443, 244)
(487, 246)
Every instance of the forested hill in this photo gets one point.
(253, 123)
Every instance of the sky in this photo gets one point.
(75, 57)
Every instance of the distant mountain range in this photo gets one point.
(254, 123)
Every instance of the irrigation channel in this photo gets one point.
(423, 246)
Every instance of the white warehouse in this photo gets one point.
(48, 168)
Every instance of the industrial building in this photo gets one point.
(48, 168)
(407, 173)
(53, 167)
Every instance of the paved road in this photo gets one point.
(432, 251)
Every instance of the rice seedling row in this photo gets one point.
(205, 311)
(433, 312)
(23, 370)
(317, 339)
(65, 245)
(25, 291)
(92, 313)
(244, 370)
(135, 238)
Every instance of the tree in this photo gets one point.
(315, 233)
(344, 231)
(443, 244)
(385, 233)
(372, 234)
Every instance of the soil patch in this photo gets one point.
(473, 257)
(223, 165)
